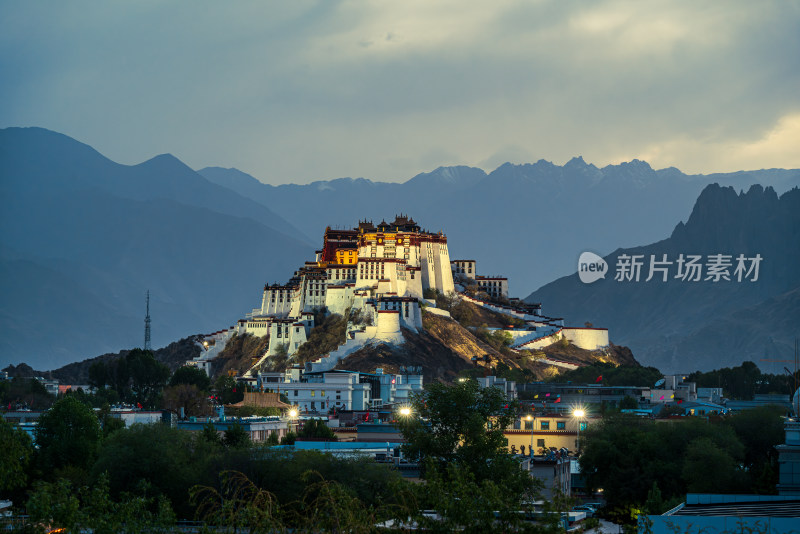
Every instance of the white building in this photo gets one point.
(464, 268)
(326, 392)
(494, 286)
(380, 271)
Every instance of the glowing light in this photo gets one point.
(405, 411)
(579, 413)
(292, 413)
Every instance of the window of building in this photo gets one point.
(540, 443)
(561, 425)
(528, 425)
(295, 393)
(322, 393)
(583, 425)
(312, 392)
(545, 425)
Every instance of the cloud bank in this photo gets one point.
(300, 91)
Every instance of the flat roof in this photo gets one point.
(743, 509)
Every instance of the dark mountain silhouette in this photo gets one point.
(529, 222)
(83, 238)
(680, 325)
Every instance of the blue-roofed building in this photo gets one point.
(727, 513)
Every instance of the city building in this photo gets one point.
(258, 429)
(463, 269)
(726, 513)
(508, 387)
(545, 431)
(338, 390)
(789, 460)
(494, 286)
(554, 471)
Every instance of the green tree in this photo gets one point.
(284, 474)
(239, 505)
(228, 391)
(16, 450)
(760, 430)
(710, 468)
(329, 506)
(78, 509)
(187, 396)
(464, 425)
(191, 375)
(67, 435)
(157, 460)
(236, 437)
(314, 429)
(613, 375)
(148, 376)
(625, 455)
(289, 438)
(628, 403)
(210, 434)
(99, 375)
(28, 392)
(108, 423)
(55, 504)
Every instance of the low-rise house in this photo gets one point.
(555, 473)
(759, 400)
(508, 387)
(545, 432)
(257, 428)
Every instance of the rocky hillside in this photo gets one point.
(446, 348)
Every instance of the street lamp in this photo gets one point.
(579, 413)
(531, 418)
(292, 413)
(405, 411)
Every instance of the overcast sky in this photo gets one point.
(296, 91)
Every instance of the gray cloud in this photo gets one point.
(299, 91)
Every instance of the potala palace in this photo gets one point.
(382, 272)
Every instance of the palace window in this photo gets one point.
(561, 425)
(545, 425)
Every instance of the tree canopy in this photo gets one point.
(17, 450)
(67, 435)
(625, 455)
(191, 375)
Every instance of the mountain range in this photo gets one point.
(83, 238)
(528, 222)
(682, 325)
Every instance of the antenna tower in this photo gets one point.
(147, 325)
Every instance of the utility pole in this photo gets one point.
(147, 345)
